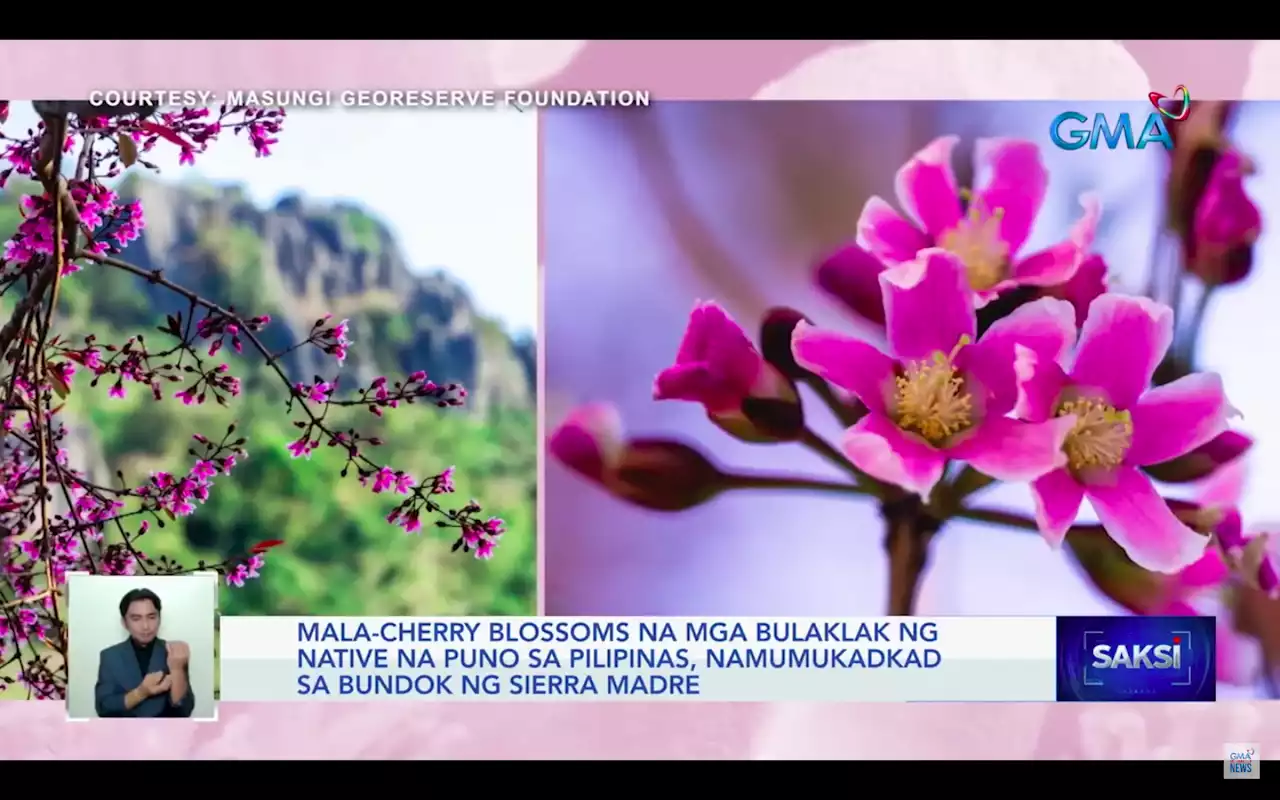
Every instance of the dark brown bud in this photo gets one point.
(775, 340)
(771, 413)
(664, 475)
(779, 420)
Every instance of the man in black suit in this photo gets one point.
(143, 676)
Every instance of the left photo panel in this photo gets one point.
(289, 354)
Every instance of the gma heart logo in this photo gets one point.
(1177, 107)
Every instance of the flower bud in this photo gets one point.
(771, 413)
(589, 441)
(775, 340)
(1198, 142)
(664, 475)
(718, 367)
(1204, 460)
(652, 473)
(1225, 226)
(851, 276)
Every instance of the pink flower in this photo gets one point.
(985, 229)
(718, 367)
(1120, 426)
(1225, 226)
(942, 395)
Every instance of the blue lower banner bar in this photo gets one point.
(731, 659)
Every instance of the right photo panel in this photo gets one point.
(910, 358)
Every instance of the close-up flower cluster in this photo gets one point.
(54, 517)
(974, 360)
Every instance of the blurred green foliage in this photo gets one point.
(341, 557)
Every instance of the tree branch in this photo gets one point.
(908, 530)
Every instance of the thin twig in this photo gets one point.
(1008, 519)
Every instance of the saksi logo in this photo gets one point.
(1139, 656)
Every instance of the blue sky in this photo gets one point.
(462, 195)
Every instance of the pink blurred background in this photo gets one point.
(646, 212)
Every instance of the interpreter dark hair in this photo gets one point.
(134, 595)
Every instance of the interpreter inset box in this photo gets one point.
(141, 647)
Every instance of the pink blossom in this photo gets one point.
(245, 570)
(986, 229)
(941, 395)
(718, 367)
(383, 480)
(316, 393)
(1226, 224)
(1119, 427)
(302, 448)
(443, 483)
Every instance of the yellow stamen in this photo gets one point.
(976, 241)
(931, 398)
(1101, 436)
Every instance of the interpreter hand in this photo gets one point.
(179, 654)
(155, 683)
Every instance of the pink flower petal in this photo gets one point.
(589, 440)
(1225, 487)
(928, 305)
(1013, 450)
(1046, 327)
(1057, 496)
(1211, 570)
(716, 365)
(849, 363)
(1177, 418)
(884, 232)
(1016, 187)
(852, 276)
(1040, 384)
(1121, 344)
(1140, 521)
(885, 452)
(1085, 286)
(926, 187)
(712, 335)
(1057, 265)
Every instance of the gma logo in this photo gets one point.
(1072, 130)
(1140, 656)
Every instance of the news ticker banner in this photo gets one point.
(865, 659)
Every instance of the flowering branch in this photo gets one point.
(54, 518)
